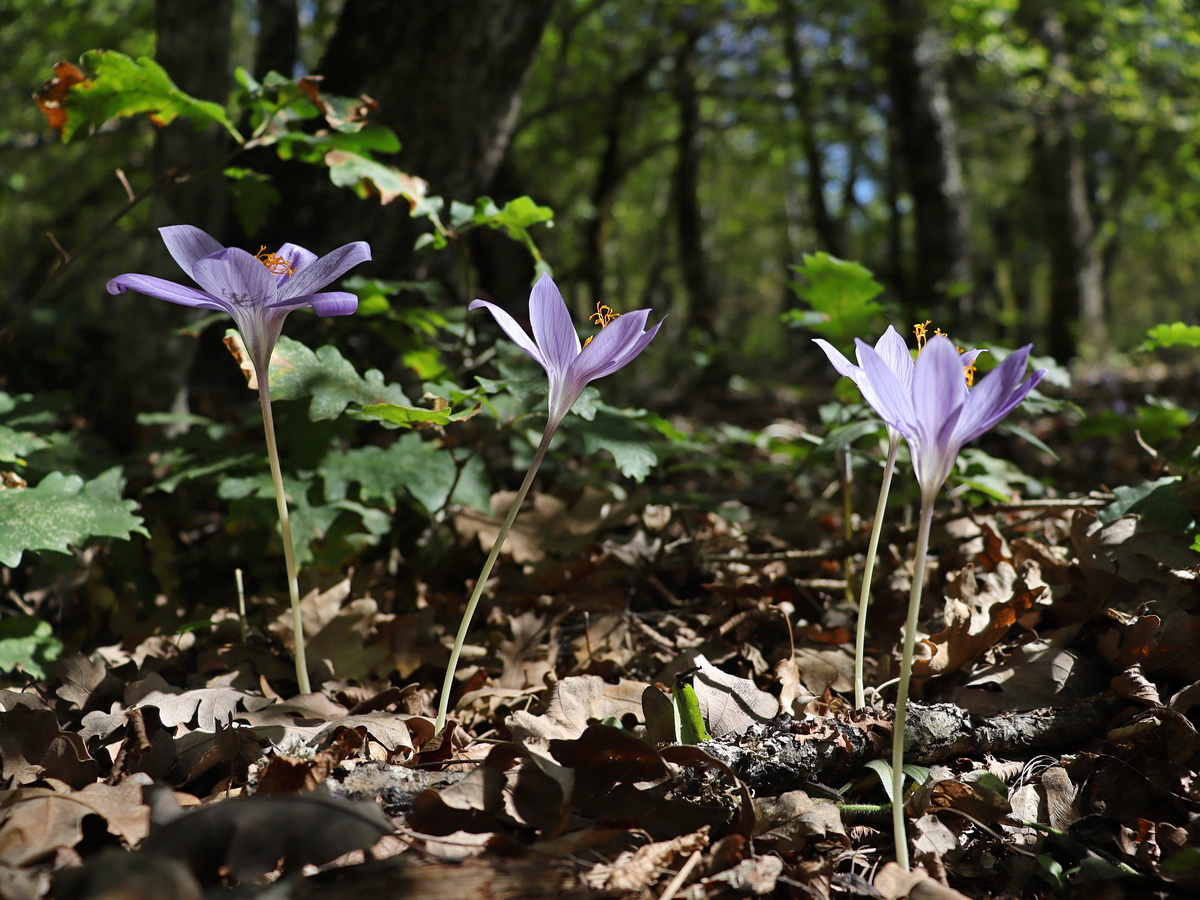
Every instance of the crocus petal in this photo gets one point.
(513, 329)
(997, 394)
(612, 348)
(315, 275)
(894, 352)
(327, 303)
(552, 326)
(631, 351)
(939, 388)
(236, 276)
(187, 244)
(889, 397)
(161, 289)
(843, 365)
(297, 257)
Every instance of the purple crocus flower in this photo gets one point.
(569, 365)
(934, 409)
(258, 291)
(895, 355)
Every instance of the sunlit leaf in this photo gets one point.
(65, 511)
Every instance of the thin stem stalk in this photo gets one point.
(481, 582)
(864, 597)
(906, 661)
(285, 530)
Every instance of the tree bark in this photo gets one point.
(689, 219)
(448, 78)
(1077, 316)
(827, 228)
(925, 121)
(150, 366)
(278, 37)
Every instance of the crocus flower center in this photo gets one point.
(602, 316)
(921, 329)
(276, 264)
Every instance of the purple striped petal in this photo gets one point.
(188, 244)
(840, 362)
(514, 331)
(316, 274)
(327, 303)
(888, 395)
(161, 289)
(552, 326)
(997, 394)
(237, 276)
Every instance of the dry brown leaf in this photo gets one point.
(728, 703)
(758, 875)
(932, 841)
(645, 866)
(894, 883)
(985, 607)
(39, 821)
(794, 819)
(572, 702)
(547, 523)
(1037, 674)
(609, 755)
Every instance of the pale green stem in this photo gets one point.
(842, 460)
(864, 597)
(285, 531)
(481, 583)
(906, 661)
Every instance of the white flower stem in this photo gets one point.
(864, 597)
(906, 661)
(481, 582)
(285, 531)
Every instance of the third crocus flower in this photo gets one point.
(570, 366)
(929, 402)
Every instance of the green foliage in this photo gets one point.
(1176, 334)
(28, 642)
(842, 296)
(1156, 501)
(121, 87)
(64, 511)
(253, 197)
(326, 377)
(410, 465)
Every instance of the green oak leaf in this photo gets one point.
(422, 468)
(328, 378)
(64, 510)
(28, 642)
(121, 86)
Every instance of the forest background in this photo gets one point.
(759, 173)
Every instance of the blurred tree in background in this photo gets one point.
(1014, 167)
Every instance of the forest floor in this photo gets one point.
(1057, 693)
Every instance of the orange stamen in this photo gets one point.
(602, 316)
(276, 264)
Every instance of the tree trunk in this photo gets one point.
(922, 114)
(1077, 317)
(150, 365)
(827, 228)
(689, 219)
(613, 169)
(278, 37)
(448, 78)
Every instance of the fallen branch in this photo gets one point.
(782, 758)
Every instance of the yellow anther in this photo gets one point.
(603, 315)
(969, 374)
(276, 264)
(919, 330)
